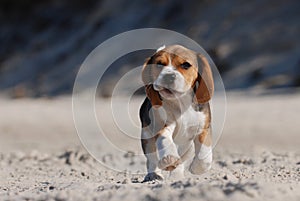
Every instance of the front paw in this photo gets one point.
(199, 166)
(152, 176)
(169, 163)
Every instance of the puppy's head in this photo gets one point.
(173, 71)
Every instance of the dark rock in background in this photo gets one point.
(43, 43)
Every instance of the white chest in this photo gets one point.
(188, 125)
(183, 121)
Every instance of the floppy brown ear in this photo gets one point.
(205, 88)
(153, 96)
(147, 78)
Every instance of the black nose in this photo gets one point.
(169, 78)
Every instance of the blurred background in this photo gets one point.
(255, 44)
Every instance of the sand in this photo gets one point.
(257, 157)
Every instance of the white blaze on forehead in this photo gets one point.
(161, 48)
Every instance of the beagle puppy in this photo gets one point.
(175, 116)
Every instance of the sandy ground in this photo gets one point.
(41, 157)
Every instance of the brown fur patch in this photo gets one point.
(148, 145)
(205, 136)
(205, 89)
(151, 69)
(153, 95)
(190, 74)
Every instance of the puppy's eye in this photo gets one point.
(185, 65)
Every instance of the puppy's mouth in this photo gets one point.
(168, 93)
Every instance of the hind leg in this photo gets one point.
(203, 153)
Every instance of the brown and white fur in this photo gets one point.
(175, 116)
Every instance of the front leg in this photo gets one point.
(169, 158)
(149, 149)
(203, 153)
